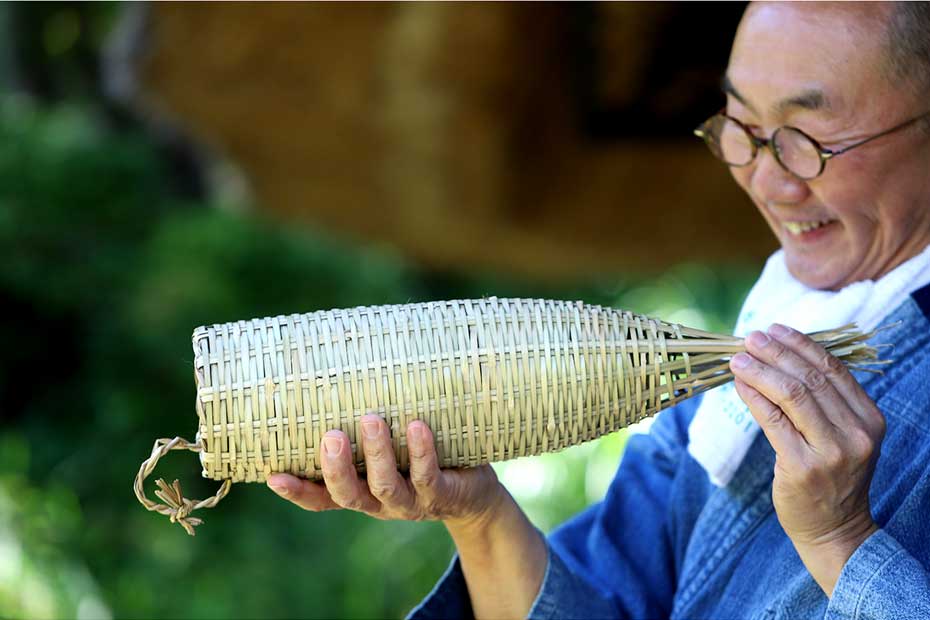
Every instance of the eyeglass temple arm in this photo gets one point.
(827, 153)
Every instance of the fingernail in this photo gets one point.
(332, 446)
(740, 360)
(281, 490)
(778, 330)
(759, 339)
(415, 436)
(370, 429)
(415, 432)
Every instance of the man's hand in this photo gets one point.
(455, 496)
(826, 433)
(503, 556)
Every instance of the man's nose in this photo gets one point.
(773, 184)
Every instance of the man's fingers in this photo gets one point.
(790, 394)
(830, 366)
(342, 481)
(384, 481)
(820, 384)
(424, 463)
(781, 433)
(306, 494)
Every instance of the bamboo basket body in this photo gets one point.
(494, 379)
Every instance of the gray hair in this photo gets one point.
(909, 46)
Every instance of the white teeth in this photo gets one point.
(796, 228)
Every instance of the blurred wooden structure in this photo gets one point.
(527, 138)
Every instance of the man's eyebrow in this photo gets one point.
(811, 99)
(729, 89)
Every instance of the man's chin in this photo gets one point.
(813, 274)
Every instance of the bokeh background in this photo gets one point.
(164, 166)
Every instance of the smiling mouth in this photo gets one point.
(799, 228)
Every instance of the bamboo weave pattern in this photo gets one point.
(494, 378)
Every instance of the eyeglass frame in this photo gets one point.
(824, 153)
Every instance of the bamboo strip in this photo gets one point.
(495, 379)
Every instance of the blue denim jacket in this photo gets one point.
(666, 543)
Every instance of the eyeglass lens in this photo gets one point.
(797, 153)
(730, 142)
(734, 144)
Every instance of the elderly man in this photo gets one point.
(826, 128)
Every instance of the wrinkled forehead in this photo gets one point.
(785, 48)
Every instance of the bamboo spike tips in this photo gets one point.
(494, 378)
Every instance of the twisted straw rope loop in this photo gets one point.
(177, 507)
(494, 379)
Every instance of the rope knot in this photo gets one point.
(182, 511)
(179, 507)
(175, 507)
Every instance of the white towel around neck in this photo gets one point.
(723, 429)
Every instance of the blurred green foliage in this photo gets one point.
(105, 269)
(103, 275)
(102, 279)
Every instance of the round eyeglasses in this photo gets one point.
(734, 144)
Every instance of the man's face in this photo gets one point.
(820, 69)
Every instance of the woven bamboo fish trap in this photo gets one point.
(494, 379)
